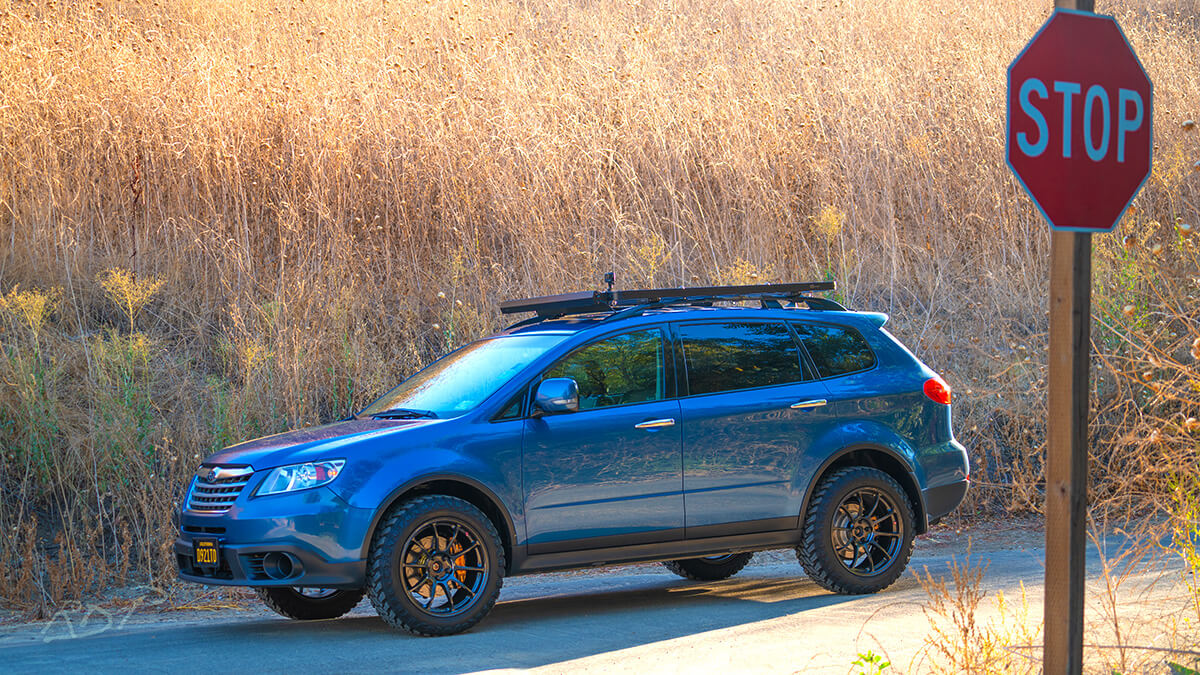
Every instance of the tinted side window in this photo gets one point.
(617, 371)
(836, 350)
(730, 356)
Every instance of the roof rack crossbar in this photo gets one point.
(552, 306)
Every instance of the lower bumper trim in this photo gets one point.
(241, 565)
(941, 500)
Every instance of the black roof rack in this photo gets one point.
(635, 301)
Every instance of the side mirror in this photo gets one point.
(556, 395)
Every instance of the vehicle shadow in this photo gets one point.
(539, 621)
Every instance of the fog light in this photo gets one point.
(280, 566)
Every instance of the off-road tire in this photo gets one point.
(385, 587)
(286, 601)
(702, 569)
(816, 550)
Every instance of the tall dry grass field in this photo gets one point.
(221, 219)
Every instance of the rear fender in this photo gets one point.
(881, 449)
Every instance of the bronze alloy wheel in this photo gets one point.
(309, 603)
(436, 565)
(711, 567)
(444, 567)
(867, 532)
(857, 531)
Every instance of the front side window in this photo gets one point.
(462, 379)
(617, 371)
(732, 356)
(836, 350)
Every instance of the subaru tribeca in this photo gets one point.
(670, 425)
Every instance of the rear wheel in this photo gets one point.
(858, 532)
(308, 604)
(711, 568)
(436, 566)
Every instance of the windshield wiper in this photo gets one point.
(403, 414)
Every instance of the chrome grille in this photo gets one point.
(216, 487)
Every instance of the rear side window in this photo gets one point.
(731, 356)
(620, 370)
(836, 350)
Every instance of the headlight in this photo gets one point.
(301, 476)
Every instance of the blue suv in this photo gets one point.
(668, 425)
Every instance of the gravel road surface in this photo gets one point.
(769, 618)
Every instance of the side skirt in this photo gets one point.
(671, 550)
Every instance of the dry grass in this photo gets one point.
(295, 183)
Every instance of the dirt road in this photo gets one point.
(769, 618)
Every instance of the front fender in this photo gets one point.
(485, 459)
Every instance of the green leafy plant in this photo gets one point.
(870, 663)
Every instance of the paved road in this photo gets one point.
(769, 618)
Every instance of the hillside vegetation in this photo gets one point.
(221, 219)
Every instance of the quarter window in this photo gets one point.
(731, 356)
(617, 371)
(836, 350)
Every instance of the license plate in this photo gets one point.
(206, 552)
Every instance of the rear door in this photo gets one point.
(609, 474)
(750, 408)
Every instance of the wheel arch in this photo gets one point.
(452, 485)
(877, 457)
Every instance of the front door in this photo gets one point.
(609, 474)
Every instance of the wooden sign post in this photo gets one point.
(1080, 141)
(1067, 449)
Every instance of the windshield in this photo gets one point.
(462, 379)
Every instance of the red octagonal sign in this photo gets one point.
(1080, 108)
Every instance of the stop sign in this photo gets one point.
(1080, 108)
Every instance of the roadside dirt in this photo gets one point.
(769, 618)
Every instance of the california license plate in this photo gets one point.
(206, 552)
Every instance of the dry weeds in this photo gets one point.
(324, 195)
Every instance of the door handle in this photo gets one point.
(814, 403)
(655, 424)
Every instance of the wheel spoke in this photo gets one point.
(449, 596)
(424, 550)
(874, 506)
(844, 509)
(467, 550)
(453, 536)
(464, 587)
(886, 556)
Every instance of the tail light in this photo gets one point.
(937, 390)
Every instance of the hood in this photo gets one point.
(329, 441)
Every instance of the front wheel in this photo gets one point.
(858, 532)
(307, 604)
(712, 568)
(436, 566)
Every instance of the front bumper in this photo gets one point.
(322, 534)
